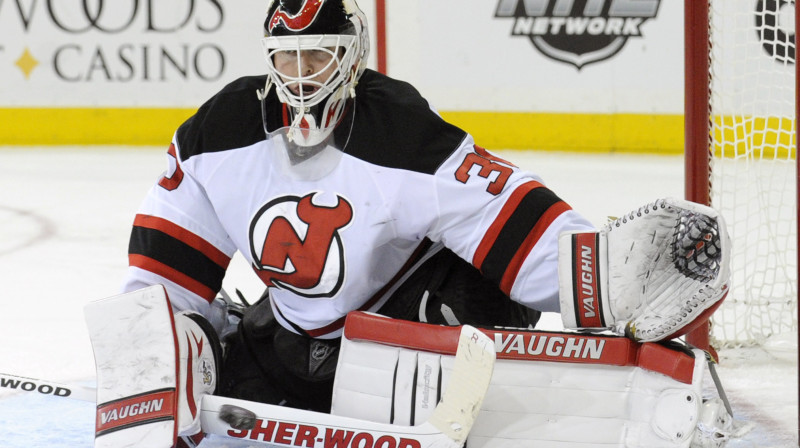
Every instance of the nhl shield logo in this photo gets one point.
(578, 32)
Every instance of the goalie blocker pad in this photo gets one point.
(549, 389)
(137, 398)
(152, 369)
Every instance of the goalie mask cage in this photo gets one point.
(740, 109)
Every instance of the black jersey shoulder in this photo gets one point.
(395, 127)
(230, 119)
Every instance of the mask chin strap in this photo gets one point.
(353, 75)
(262, 98)
(297, 121)
(300, 112)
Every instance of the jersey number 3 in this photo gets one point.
(488, 164)
(173, 177)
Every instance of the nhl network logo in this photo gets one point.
(578, 32)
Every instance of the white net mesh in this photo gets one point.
(753, 171)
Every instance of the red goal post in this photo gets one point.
(380, 35)
(740, 141)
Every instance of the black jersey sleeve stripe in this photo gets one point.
(185, 265)
(515, 230)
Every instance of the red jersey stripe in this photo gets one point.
(533, 237)
(185, 236)
(494, 230)
(158, 268)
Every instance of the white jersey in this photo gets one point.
(406, 182)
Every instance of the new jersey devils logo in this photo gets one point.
(300, 21)
(296, 245)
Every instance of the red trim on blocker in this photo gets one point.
(158, 268)
(177, 365)
(585, 276)
(189, 381)
(149, 407)
(510, 275)
(185, 236)
(505, 213)
(523, 345)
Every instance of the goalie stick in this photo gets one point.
(16, 384)
(272, 425)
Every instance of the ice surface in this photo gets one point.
(65, 216)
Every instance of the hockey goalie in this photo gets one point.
(599, 386)
(345, 192)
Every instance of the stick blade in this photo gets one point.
(472, 372)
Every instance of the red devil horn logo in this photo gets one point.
(300, 21)
(301, 250)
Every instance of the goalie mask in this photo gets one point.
(316, 50)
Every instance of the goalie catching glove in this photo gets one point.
(648, 275)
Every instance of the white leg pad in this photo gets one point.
(551, 390)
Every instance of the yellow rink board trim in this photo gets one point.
(498, 130)
(90, 126)
(636, 133)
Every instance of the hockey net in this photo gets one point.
(741, 158)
